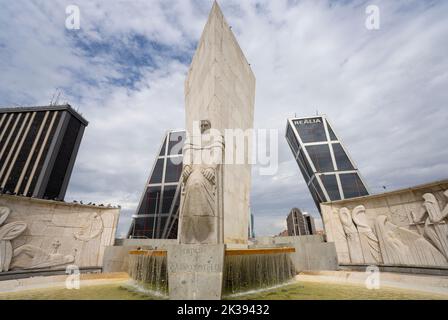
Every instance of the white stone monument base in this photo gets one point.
(195, 272)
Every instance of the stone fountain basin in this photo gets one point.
(228, 252)
(240, 270)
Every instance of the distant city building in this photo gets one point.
(38, 148)
(309, 222)
(158, 211)
(297, 226)
(327, 168)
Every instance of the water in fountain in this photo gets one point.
(150, 272)
(247, 272)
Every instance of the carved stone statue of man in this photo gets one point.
(201, 181)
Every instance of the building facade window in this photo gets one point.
(326, 167)
(342, 160)
(321, 157)
(157, 174)
(352, 185)
(38, 149)
(292, 141)
(331, 185)
(157, 214)
(331, 133)
(311, 130)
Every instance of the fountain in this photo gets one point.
(244, 269)
(149, 269)
(212, 256)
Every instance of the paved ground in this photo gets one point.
(425, 283)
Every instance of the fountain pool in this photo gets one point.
(126, 290)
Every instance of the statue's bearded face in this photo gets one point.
(205, 126)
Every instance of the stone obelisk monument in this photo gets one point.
(220, 90)
(214, 208)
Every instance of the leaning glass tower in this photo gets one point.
(326, 166)
(158, 211)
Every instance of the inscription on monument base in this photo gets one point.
(195, 272)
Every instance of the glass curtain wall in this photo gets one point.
(158, 211)
(329, 172)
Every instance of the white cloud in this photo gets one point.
(384, 91)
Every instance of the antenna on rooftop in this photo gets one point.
(55, 99)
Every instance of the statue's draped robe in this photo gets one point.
(199, 207)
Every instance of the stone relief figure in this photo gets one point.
(335, 233)
(8, 232)
(353, 240)
(201, 182)
(32, 257)
(91, 229)
(401, 246)
(26, 256)
(435, 222)
(369, 241)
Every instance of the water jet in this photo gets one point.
(244, 269)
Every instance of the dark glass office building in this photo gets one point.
(323, 160)
(38, 148)
(158, 211)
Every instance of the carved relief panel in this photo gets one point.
(411, 233)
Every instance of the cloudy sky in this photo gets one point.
(385, 91)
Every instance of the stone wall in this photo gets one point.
(153, 244)
(220, 87)
(42, 234)
(312, 253)
(116, 258)
(266, 242)
(402, 228)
